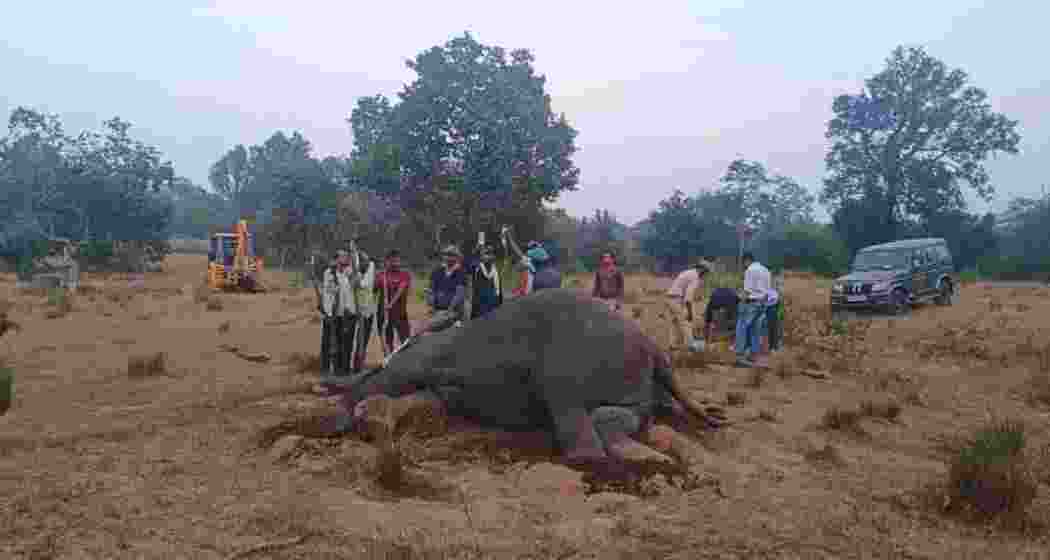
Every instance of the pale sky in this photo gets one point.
(665, 94)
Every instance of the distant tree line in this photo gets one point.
(472, 144)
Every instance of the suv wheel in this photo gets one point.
(947, 294)
(899, 304)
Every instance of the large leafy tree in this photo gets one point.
(903, 148)
(471, 138)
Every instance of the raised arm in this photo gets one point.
(509, 237)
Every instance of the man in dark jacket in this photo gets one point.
(487, 290)
(547, 275)
(721, 299)
(448, 290)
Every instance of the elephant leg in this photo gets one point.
(615, 426)
(577, 437)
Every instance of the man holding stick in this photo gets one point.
(391, 288)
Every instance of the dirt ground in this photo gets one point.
(198, 456)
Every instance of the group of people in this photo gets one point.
(758, 308)
(355, 297)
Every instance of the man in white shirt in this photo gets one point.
(680, 297)
(750, 316)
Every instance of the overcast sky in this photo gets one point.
(665, 94)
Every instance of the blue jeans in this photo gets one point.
(750, 322)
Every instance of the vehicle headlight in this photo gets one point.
(838, 287)
(880, 286)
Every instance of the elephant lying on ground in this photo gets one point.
(556, 359)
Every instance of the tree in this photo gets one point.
(808, 246)
(230, 176)
(472, 137)
(598, 234)
(766, 202)
(675, 232)
(908, 143)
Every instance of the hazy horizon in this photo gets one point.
(662, 99)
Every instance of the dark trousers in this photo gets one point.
(364, 336)
(332, 340)
(773, 322)
(386, 326)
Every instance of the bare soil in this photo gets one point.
(145, 425)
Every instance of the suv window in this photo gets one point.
(943, 256)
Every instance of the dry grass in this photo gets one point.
(886, 409)
(846, 420)
(302, 362)
(756, 378)
(736, 398)
(152, 365)
(214, 303)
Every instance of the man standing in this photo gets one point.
(679, 302)
(448, 290)
(487, 291)
(750, 316)
(339, 304)
(608, 282)
(391, 288)
(547, 275)
(365, 293)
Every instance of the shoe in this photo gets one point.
(744, 363)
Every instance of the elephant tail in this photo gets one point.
(709, 416)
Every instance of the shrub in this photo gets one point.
(993, 474)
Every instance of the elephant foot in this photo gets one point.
(668, 441)
(628, 450)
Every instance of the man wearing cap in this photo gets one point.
(679, 302)
(448, 290)
(486, 287)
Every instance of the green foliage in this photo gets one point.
(7, 387)
(992, 473)
(902, 148)
(675, 232)
(808, 247)
(765, 202)
(94, 185)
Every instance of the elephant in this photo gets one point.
(556, 360)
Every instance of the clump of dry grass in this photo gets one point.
(767, 416)
(994, 474)
(736, 398)
(637, 313)
(887, 409)
(151, 365)
(224, 327)
(756, 378)
(303, 362)
(827, 455)
(840, 419)
(214, 303)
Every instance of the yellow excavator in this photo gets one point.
(232, 262)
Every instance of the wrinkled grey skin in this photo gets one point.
(555, 359)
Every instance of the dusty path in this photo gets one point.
(95, 464)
